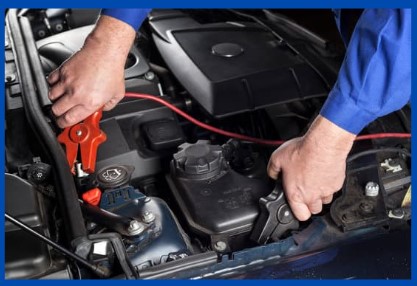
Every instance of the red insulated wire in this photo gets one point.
(382, 135)
(244, 137)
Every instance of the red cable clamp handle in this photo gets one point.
(87, 136)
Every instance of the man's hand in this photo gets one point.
(313, 166)
(94, 76)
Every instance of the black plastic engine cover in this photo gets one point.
(231, 68)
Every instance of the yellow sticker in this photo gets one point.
(407, 198)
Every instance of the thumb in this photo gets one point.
(274, 165)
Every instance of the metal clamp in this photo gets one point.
(84, 139)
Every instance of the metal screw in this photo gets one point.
(149, 75)
(78, 133)
(10, 78)
(371, 189)
(59, 27)
(91, 225)
(148, 217)
(135, 227)
(396, 213)
(220, 245)
(41, 33)
(147, 200)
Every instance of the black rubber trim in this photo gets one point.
(66, 191)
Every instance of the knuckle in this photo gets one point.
(338, 186)
(118, 98)
(70, 118)
(56, 110)
(63, 70)
(295, 196)
(273, 165)
(90, 103)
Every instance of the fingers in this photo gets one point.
(72, 116)
(300, 210)
(327, 200)
(303, 211)
(57, 90)
(53, 77)
(315, 207)
(61, 106)
(274, 165)
(111, 103)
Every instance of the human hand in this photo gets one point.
(313, 166)
(94, 76)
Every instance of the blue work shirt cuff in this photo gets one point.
(344, 112)
(132, 17)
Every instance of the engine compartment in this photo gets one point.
(172, 199)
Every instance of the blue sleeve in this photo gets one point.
(375, 77)
(133, 17)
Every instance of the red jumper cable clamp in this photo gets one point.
(83, 139)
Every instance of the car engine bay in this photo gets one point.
(186, 196)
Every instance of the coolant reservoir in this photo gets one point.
(217, 202)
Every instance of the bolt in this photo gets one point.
(284, 214)
(371, 189)
(396, 213)
(149, 75)
(135, 227)
(366, 207)
(147, 200)
(220, 246)
(78, 133)
(148, 217)
(41, 33)
(91, 225)
(59, 27)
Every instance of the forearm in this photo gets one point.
(112, 38)
(325, 137)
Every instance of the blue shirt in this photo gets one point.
(375, 76)
(133, 17)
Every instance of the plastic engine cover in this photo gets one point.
(231, 68)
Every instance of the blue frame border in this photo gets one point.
(210, 4)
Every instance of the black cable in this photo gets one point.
(66, 191)
(282, 41)
(101, 272)
(375, 151)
